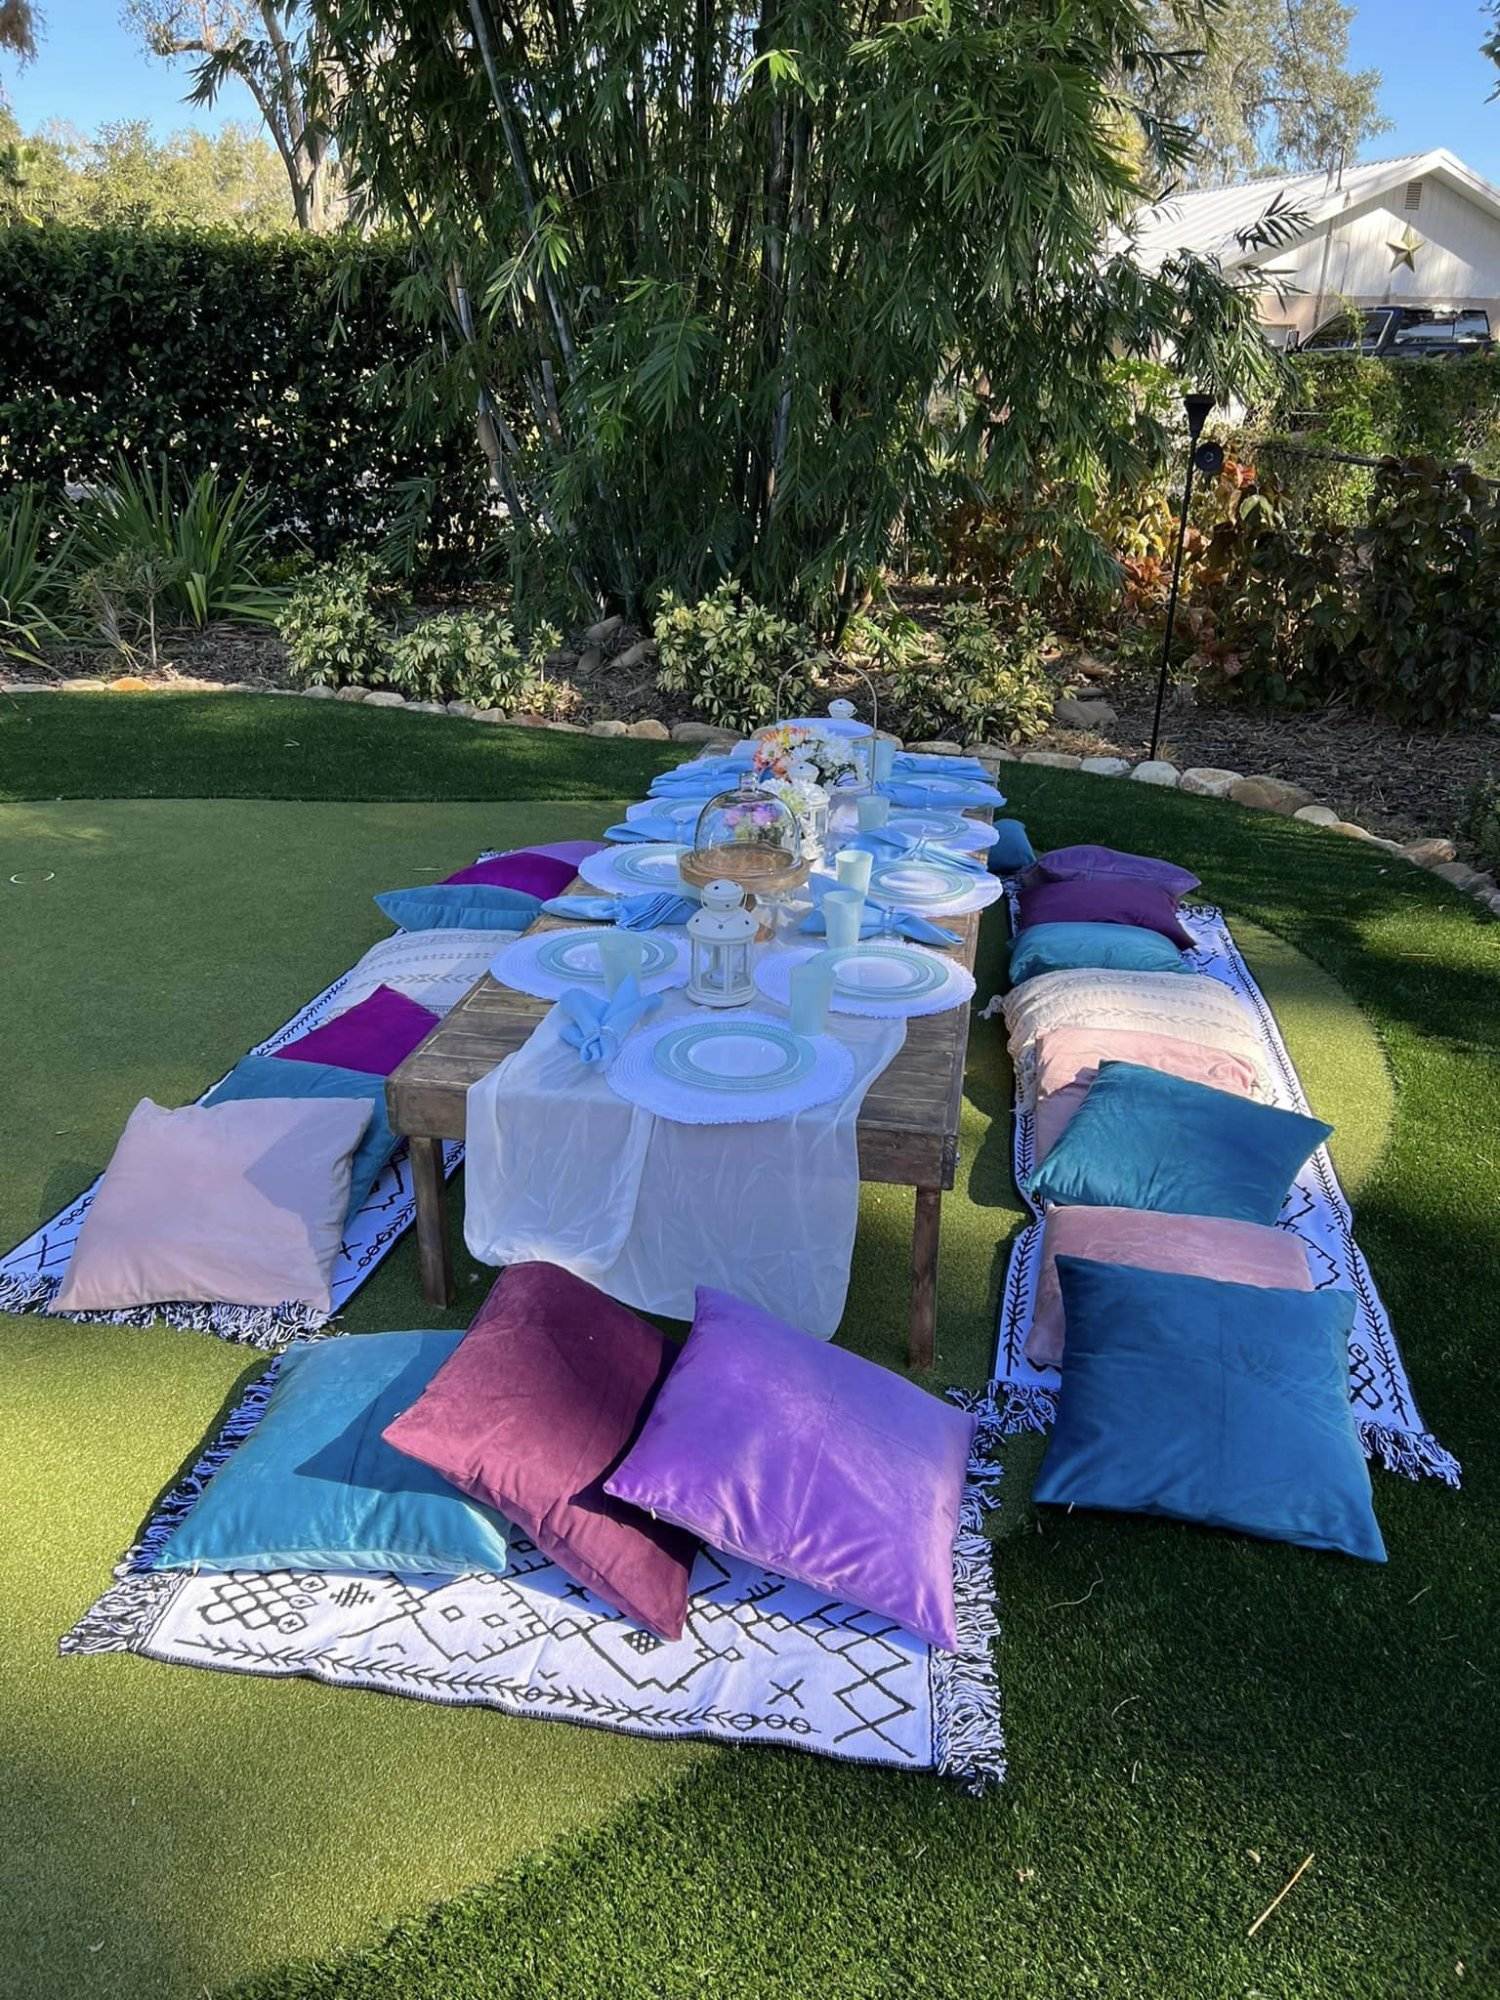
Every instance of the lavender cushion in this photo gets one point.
(374, 1036)
(544, 1396)
(1104, 899)
(528, 869)
(808, 1460)
(1062, 864)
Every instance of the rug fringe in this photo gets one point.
(123, 1617)
(968, 1729)
(269, 1328)
(1415, 1454)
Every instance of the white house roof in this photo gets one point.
(1211, 221)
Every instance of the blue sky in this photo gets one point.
(1436, 84)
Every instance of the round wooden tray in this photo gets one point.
(759, 870)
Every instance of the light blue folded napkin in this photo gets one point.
(914, 763)
(714, 772)
(596, 1027)
(913, 793)
(646, 912)
(643, 830)
(886, 843)
(889, 923)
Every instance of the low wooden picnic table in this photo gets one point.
(907, 1131)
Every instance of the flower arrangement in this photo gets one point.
(796, 754)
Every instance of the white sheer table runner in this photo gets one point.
(561, 1169)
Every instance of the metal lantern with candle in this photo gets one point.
(722, 931)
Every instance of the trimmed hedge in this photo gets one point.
(246, 353)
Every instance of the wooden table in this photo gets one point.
(907, 1131)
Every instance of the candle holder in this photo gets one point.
(721, 932)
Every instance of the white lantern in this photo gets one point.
(722, 931)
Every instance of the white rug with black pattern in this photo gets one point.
(761, 1660)
(1316, 1211)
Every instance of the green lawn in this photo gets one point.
(1188, 1715)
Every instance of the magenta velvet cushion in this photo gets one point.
(544, 1396)
(374, 1036)
(1062, 864)
(528, 869)
(808, 1460)
(1104, 899)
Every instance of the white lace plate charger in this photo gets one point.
(954, 829)
(625, 871)
(936, 888)
(882, 977)
(549, 963)
(729, 1069)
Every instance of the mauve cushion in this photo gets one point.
(528, 869)
(228, 1204)
(810, 1461)
(569, 850)
(1195, 1246)
(1061, 864)
(545, 1394)
(1067, 1061)
(1104, 899)
(374, 1036)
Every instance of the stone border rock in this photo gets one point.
(1258, 792)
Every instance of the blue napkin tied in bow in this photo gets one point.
(646, 912)
(888, 843)
(596, 1027)
(875, 923)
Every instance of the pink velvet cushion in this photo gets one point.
(1067, 1061)
(545, 1394)
(374, 1036)
(529, 869)
(1104, 899)
(1061, 863)
(240, 1203)
(810, 1461)
(1194, 1246)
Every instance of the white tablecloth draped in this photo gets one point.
(560, 1169)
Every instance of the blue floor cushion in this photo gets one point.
(1010, 849)
(1144, 1139)
(268, 1076)
(460, 906)
(1092, 947)
(315, 1485)
(1222, 1404)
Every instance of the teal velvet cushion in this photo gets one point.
(1222, 1404)
(315, 1485)
(1143, 1139)
(460, 906)
(266, 1076)
(1092, 947)
(1010, 850)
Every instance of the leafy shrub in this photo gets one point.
(1398, 616)
(1358, 403)
(1481, 822)
(332, 625)
(729, 656)
(282, 359)
(197, 548)
(989, 683)
(30, 590)
(473, 656)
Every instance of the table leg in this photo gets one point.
(432, 1220)
(924, 1266)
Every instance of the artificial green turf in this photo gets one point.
(1211, 1710)
(224, 746)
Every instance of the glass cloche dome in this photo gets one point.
(748, 836)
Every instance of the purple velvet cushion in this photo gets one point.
(375, 1036)
(528, 869)
(808, 1460)
(1104, 899)
(544, 1396)
(1061, 864)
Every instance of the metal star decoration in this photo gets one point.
(1404, 249)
